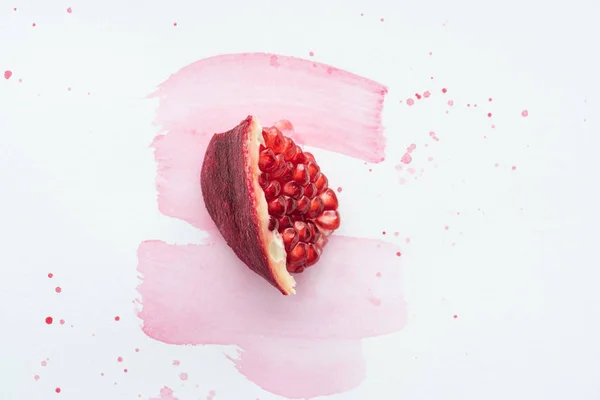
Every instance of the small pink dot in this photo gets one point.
(496, 165)
(69, 89)
(339, 189)
(427, 94)
(120, 359)
(125, 370)
(137, 350)
(58, 289)
(101, 373)
(493, 126)
(383, 233)
(524, 113)
(490, 99)
(174, 23)
(311, 54)
(117, 318)
(15, 9)
(410, 102)
(362, 14)
(176, 362)
(57, 390)
(7, 74)
(44, 363)
(62, 322)
(407, 240)
(455, 316)
(49, 320)
(33, 25)
(514, 167)
(69, 10)
(446, 227)
(36, 377)
(396, 234)
(450, 103)
(378, 274)
(444, 90)
(50, 275)
(490, 115)
(183, 376)
(381, 19)
(398, 253)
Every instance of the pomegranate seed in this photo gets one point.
(330, 219)
(300, 175)
(274, 139)
(312, 255)
(267, 161)
(263, 180)
(321, 183)
(314, 231)
(309, 156)
(272, 190)
(290, 205)
(289, 171)
(289, 148)
(290, 238)
(303, 206)
(310, 190)
(279, 170)
(273, 223)
(315, 209)
(285, 222)
(313, 170)
(303, 231)
(276, 206)
(293, 189)
(297, 255)
(299, 158)
(329, 198)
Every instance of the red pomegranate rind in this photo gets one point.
(229, 195)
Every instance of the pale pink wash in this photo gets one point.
(202, 294)
(329, 108)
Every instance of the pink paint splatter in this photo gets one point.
(50, 275)
(418, 96)
(311, 53)
(183, 376)
(174, 23)
(427, 94)
(34, 25)
(514, 167)
(49, 320)
(489, 115)
(36, 377)
(7, 74)
(58, 289)
(410, 102)
(57, 390)
(137, 350)
(455, 316)
(165, 394)
(339, 189)
(62, 321)
(176, 363)
(117, 318)
(120, 359)
(524, 113)
(433, 136)
(406, 158)
(44, 363)
(451, 103)
(69, 10)
(444, 90)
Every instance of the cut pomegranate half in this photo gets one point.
(269, 199)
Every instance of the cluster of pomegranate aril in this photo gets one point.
(302, 208)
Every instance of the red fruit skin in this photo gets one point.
(228, 191)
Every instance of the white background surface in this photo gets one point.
(78, 192)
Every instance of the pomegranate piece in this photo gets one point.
(269, 199)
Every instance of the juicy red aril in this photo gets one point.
(329, 199)
(290, 238)
(272, 189)
(277, 206)
(293, 189)
(301, 206)
(330, 220)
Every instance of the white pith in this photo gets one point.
(272, 240)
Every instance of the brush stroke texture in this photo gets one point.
(329, 108)
(300, 346)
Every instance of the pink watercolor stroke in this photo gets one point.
(329, 108)
(300, 346)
